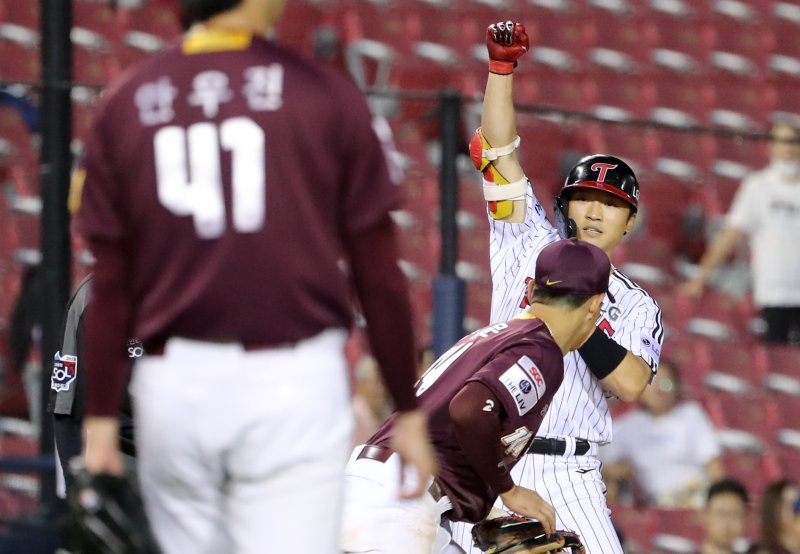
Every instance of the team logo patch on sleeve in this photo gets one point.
(651, 347)
(65, 369)
(525, 383)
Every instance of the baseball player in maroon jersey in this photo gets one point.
(228, 180)
(485, 397)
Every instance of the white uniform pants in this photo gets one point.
(574, 487)
(242, 452)
(377, 520)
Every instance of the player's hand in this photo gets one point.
(506, 42)
(101, 439)
(411, 443)
(528, 503)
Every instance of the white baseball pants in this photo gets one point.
(377, 520)
(242, 452)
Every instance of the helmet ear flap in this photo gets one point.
(567, 228)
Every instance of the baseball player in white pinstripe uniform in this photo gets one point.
(598, 204)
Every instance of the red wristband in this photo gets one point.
(501, 68)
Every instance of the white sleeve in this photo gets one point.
(513, 249)
(744, 213)
(646, 335)
(704, 435)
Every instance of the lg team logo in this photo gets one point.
(65, 370)
(602, 170)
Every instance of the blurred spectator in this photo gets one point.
(668, 448)
(21, 383)
(767, 209)
(724, 518)
(780, 517)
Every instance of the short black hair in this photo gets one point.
(728, 486)
(550, 298)
(193, 11)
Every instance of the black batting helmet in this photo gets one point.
(599, 172)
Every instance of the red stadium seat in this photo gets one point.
(419, 246)
(25, 14)
(684, 522)
(543, 145)
(782, 384)
(627, 33)
(680, 94)
(751, 99)
(637, 527)
(744, 38)
(12, 445)
(788, 451)
(97, 17)
(756, 413)
(547, 86)
(19, 62)
(298, 25)
(633, 94)
(735, 358)
(639, 148)
(786, 97)
(751, 154)
(95, 66)
(479, 305)
(558, 29)
(784, 359)
(158, 18)
(784, 28)
(660, 220)
(691, 37)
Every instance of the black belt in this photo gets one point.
(381, 454)
(377, 453)
(557, 447)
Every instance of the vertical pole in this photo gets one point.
(448, 288)
(55, 166)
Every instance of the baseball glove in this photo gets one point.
(521, 535)
(105, 516)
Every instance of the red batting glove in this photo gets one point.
(506, 42)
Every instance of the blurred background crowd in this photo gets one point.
(701, 97)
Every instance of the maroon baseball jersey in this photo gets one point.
(230, 168)
(520, 362)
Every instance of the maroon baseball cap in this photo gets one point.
(572, 266)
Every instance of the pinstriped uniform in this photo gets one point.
(572, 484)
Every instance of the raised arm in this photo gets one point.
(506, 42)
(494, 146)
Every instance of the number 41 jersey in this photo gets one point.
(232, 169)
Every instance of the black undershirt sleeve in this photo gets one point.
(383, 291)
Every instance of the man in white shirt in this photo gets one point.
(669, 448)
(766, 209)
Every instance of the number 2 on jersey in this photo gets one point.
(194, 186)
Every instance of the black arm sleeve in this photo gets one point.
(477, 415)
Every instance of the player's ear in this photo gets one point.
(631, 222)
(529, 291)
(594, 306)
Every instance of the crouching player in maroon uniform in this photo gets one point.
(485, 399)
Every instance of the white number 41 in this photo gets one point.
(195, 188)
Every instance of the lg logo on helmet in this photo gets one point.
(603, 169)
